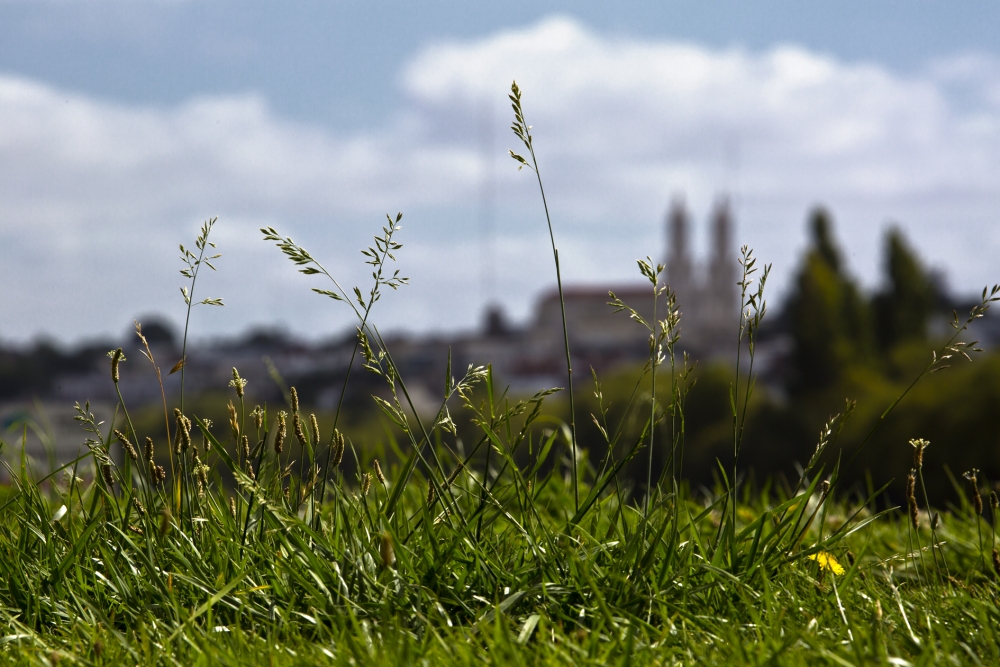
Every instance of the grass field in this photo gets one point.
(267, 541)
(501, 572)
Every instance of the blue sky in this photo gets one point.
(124, 123)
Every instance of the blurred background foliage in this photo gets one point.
(828, 342)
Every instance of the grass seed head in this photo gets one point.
(295, 399)
(129, 447)
(366, 483)
(234, 422)
(206, 443)
(314, 425)
(977, 499)
(258, 417)
(245, 442)
(182, 439)
(149, 452)
(165, 521)
(430, 495)
(339, 444)
(378, 472)
(300, 434)
(994, 501)
(386, 551)
(237, 383)
(232, 507)
(935, 521)
(138, 505)
(117, 356)
(911, 499)
(919, 445)
(106, 474)
(279, 437)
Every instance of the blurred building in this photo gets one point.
(527, 357)
(534, 355)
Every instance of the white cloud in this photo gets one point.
(96, 194)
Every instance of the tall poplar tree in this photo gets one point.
(904, 306)
(829, 318)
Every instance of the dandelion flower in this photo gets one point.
(827, 561)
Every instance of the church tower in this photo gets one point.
(680, 272)
(720, 308)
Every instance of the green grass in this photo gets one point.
(250, 542)
(504, 575)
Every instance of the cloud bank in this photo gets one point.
(96, 195)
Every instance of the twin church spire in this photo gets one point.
(706, 293)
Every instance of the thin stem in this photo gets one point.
(653, 358)
(526, 130)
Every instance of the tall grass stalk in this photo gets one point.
(523, 132)
(192, 266)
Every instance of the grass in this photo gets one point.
(254, 544)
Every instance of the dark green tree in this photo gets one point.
(907, 299)
(828, 316)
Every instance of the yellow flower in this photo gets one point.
(826, 561)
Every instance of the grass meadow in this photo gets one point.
(268, 540)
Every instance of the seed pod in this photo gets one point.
(378, 473)
(279, 437)
(295, 399)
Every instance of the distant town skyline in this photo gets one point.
(124, 125)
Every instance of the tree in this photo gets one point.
(829, 319)
(907, 299)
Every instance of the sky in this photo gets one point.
(124, 124)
